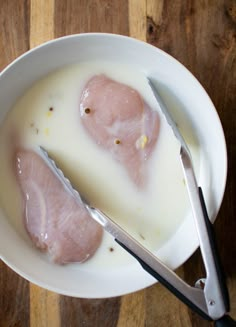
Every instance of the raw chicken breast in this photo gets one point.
(118, 119)
(55, 221)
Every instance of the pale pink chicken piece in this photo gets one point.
(118, 119)
(55, 221)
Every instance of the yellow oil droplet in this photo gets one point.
(49, 114)
(46, 131)
(142, 141)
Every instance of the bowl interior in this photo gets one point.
(192, 104)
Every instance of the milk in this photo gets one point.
(48, 115)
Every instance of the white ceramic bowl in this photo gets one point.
(193, 103)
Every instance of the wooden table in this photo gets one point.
(201, 34)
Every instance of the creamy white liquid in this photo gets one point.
(151, 214)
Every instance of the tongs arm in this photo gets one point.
(215, 289)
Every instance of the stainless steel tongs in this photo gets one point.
(210, 301)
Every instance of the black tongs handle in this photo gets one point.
(225, 321)
(165, 283)
(218, 265)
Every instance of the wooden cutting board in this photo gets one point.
(201, 34)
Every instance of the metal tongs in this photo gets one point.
(211, 301)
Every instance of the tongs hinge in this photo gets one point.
(215, 290)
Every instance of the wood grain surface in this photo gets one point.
(201, 34)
